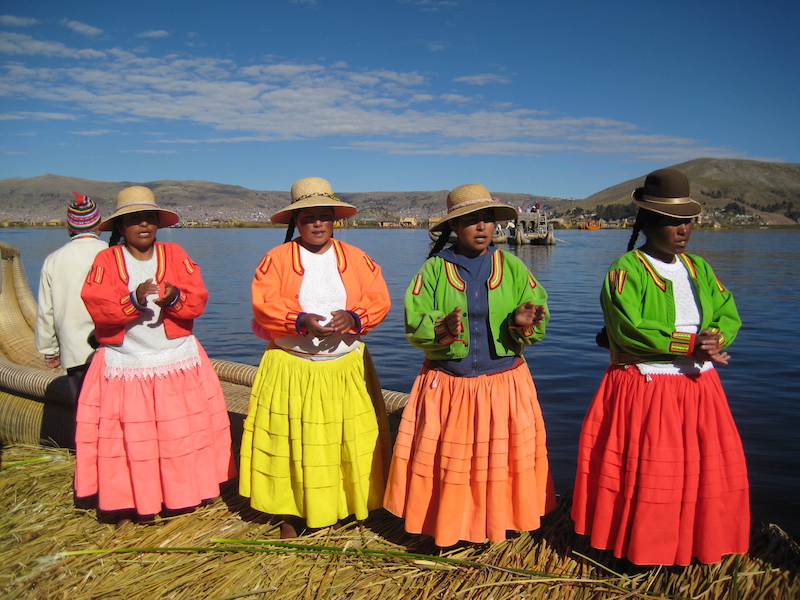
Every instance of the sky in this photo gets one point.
(551, 98)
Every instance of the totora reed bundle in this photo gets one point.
(49, 548)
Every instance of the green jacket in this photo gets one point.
(438, 289)
(639, 309)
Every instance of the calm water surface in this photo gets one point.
(761, 381)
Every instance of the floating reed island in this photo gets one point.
(51, 548)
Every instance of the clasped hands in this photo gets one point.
(341, 322)
(706, 347)
(148, 288)
(525, 315)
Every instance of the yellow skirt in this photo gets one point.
(312, 443)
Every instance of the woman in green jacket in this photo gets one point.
(470, 460)
(661, 472)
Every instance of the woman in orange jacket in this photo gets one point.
(315, 444)
(152, 423)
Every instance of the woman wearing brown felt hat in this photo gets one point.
(661, 475)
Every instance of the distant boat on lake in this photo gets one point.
(532, 227)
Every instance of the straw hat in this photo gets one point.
(470, 198)
(666, 192)
(312, 192)
(135, 199)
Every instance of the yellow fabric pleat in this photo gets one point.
(311, 444)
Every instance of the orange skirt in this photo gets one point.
(150, 443)
(661, 472)
(470, 459)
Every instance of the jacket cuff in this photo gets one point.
(135, 303)
(442, 334)
(523, 332)
(297, 328)
(356, 330)
(179, 298)
(682, 343)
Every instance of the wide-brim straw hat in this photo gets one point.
(135, 199)
(312, 192)
(666, 192)
(470, 198)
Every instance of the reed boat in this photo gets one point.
(534, 228)
(51, 548)
(35, 406)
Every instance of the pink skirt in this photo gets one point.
(151, 443)
(470, 460)
(661, 472)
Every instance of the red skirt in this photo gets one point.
(470, 460)
(152, 442)
(661, 472)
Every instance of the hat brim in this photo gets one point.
(672, 207)
(341, 210)
(166, 218)
(502, 212)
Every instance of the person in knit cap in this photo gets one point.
(63, 325)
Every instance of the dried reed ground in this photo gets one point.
(43, 535)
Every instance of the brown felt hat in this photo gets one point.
(135, 199)
(470, 198)
(666, 192)
(312, 192)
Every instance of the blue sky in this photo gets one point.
(548, 98)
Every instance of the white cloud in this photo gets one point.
(158, 33)
(482, 79)
(12, 21)
(18, 43)
(116, 91)
(93, 132)
(37, 116)
(81, 28)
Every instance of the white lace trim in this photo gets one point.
(152, 364)
(679, 366)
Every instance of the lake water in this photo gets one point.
(762, 380)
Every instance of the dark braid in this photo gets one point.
(116, 235)
(643, 218)
(289, 230)
(442, 241)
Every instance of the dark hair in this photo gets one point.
(644, 218)
(289, 230)
(116, 234)
(441, 242)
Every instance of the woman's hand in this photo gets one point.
(706, 347)
(170, 295)
(454, 322)
(313, 324)
(342, 322)
(529, 314)
(145, 289)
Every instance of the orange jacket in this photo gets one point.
(108, 298)
(276, 288)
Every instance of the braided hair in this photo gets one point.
(116, 234)
(441, 242)
(290, 229)
(644, 218)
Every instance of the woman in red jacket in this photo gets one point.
(152, 423)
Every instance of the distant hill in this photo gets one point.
(716, 182)
(46, 197)
(769, 190)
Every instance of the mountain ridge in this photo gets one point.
(715, 183)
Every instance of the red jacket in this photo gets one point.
(108, 298)
(276, 288)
